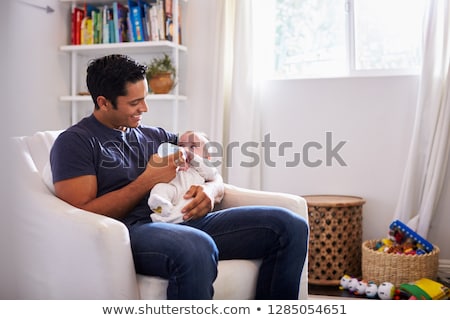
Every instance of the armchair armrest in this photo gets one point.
(62, 252)
(236, 196)
(72, 253)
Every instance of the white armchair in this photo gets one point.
(68, 253)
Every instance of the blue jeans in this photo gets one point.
(187, 254)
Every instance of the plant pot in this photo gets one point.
(161, 83)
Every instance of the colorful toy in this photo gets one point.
(371, 290)
(383, 245)
(422, 289)
(402, 233)
(386, 291)
(344, 282)
(361, 288)
(403, 240)
(352, 284)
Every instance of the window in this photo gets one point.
(325, 38)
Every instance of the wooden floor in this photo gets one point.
(330, 292)
(320, 292)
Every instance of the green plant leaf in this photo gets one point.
(160, 65)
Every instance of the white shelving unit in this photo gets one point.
(130, 48)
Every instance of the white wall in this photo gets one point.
(199, 35)
(38, 71)
(373, 115)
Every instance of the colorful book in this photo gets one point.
(120, 13)
(77, 18)
(105, 24)
(154, 22)
(137, 25)
(160, 7)
(179, 24)
(91, 12)
(97, 25)
(111, 29)
(136, 20)
(130, 28)
(87, 34)
(131, 4)
(144, 6)
(168, 10)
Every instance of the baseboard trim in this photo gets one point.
(444, 272)
(444, 265)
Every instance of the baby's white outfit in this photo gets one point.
(166, 199)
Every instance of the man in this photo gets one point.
(108, 163)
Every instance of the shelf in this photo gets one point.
(141, 49)
(96, 1)
(158, 97)
(124, 47)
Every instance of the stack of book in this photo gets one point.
(139, 20)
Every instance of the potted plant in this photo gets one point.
(161, 74)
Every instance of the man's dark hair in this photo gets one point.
(107, 76)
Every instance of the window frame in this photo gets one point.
(350, 48)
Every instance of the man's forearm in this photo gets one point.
(118, 203)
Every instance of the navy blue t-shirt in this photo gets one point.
(115, 157)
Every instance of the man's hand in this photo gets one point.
(200, 205)
(163, 169)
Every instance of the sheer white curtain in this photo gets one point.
(235, 117)
(428, 156)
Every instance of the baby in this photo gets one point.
(166, 199)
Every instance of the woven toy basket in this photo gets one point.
(397, 268)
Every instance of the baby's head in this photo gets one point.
(195, 142)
